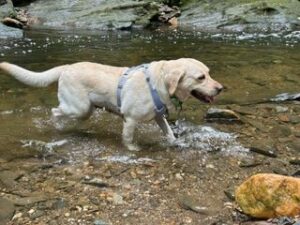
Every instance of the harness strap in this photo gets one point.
(160, 108)
(122, 82)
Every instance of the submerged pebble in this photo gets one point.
(189, 202)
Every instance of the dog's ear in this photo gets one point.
(173, 79)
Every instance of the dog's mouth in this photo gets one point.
(202, 97)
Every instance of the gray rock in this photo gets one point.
(221, 114)
(7, 210)
(240, 16)
(92, 14)
(10, 32)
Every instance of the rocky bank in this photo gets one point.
(211, 16)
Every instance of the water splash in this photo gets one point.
(205, 138)
(126, 159)
(44, 148)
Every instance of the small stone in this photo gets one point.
(36, 214)
(249, 163)
(178, 176)
(188, 220)
(67, 214)
(221, 114)
(31, 211)
(100, 222)
(188, 202)
(284, 118)
(269, 196)
(230, 194)
(17, 216)
(59, 204)
(281, 109)
(277, 61)
(266, 152)
(117, 199)
(294, 119)
(96, 182)
(210, 166)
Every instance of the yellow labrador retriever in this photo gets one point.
(84, 86)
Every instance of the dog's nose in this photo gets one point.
(219, 89)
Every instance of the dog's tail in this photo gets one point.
(30, 78)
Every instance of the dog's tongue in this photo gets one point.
(209, 99)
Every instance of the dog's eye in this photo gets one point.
(202, 77)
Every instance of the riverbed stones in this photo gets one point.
(269, 195)
(7, 210)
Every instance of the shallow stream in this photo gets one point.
(253, 71)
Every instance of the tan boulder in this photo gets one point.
(269, 195)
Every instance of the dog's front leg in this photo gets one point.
(128, 133)
(164, 125)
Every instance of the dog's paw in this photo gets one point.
(132, 147)
(171, 139)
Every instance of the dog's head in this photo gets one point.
(188, 77)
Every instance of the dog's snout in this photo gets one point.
(219, 89)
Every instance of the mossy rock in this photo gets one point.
(269, 196)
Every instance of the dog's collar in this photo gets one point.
(159, 106)
(177, 103)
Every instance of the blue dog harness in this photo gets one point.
(159, 106)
